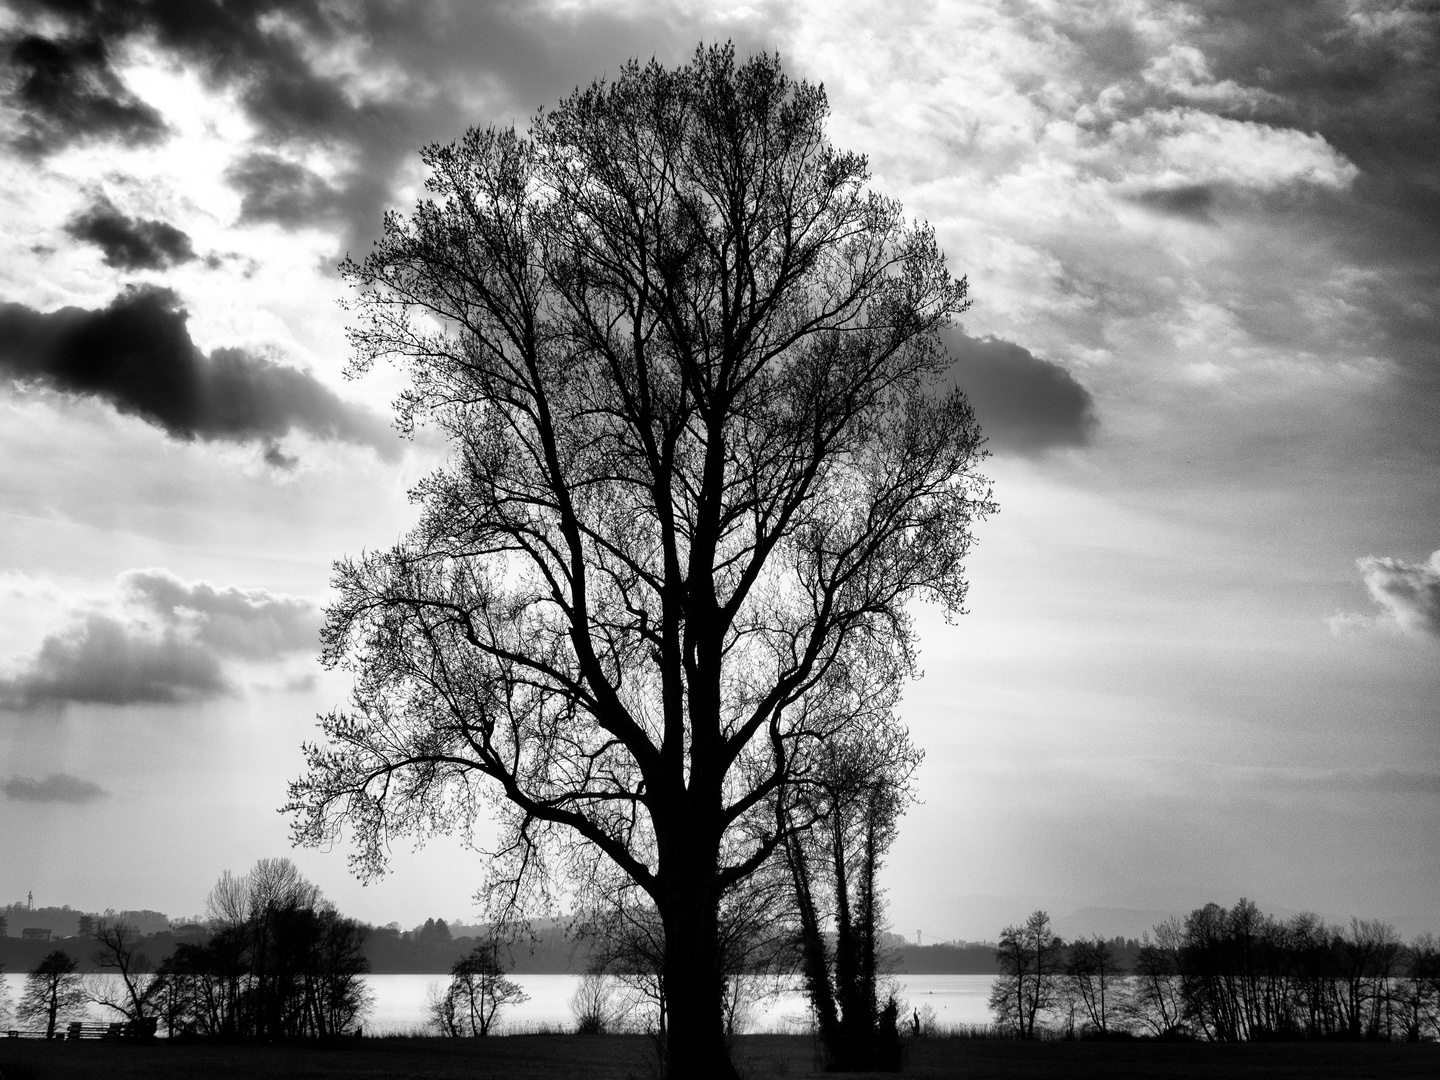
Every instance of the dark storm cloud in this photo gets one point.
(168, 644)
(56, 788)
(514, 57)
(67, 91)
(137, 355)
(1024, 404)
(130, 243)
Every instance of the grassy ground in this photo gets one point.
(760, 1057)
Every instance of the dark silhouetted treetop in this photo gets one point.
(686, 362)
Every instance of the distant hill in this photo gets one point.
(64, 921)
(969, 958)
(1111, 922)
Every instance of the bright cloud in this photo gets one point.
(1408, 594)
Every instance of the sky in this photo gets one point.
(1201, 659)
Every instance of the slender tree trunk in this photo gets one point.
(847, 1054)
(869, 963)
(812, 944)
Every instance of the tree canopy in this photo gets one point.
(688, 365)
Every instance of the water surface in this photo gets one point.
(400, 1002)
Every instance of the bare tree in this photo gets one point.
(843, 816)
(478, 991)
(688, 365)
(1154, 1001)
(1369, 952)
(1422, 994)
(1030, 957)
(1092, 979)
(7, 1007)
(599, 1004)
(53, 992)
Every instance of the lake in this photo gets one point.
(400, 1001)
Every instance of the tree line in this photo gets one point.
(1222, 974)
(280, 963)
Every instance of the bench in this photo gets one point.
(77, 1030)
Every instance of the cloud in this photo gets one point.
(107, 661)
(249, 623)
(1191, 145)
(274, 189)
(67, 91)
(161, 641)
(371, 83)
(1024, 404)
(57, 787)
(130, 243)
(137, 355)
(1338, 95)
(1408, 594)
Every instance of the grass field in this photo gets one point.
(760, 1057)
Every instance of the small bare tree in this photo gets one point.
(1422, 993)
(478, 991)
(53, 992)
(1030, 957)
(118, 952)
(7, 1007)
(599, 1004)
(1154, 1001)
(1091, 979)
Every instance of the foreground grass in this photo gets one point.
(760, 1057)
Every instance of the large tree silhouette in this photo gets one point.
(686, 361)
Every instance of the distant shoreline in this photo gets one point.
(553, 954)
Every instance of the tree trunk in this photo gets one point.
(695, 1044)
